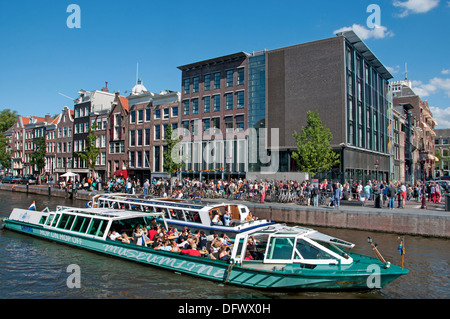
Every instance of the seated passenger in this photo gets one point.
(192, 251)
(174, 247)
(227, 218)
(126, 239)
(115, 235)
(224, 253)
(248, 256)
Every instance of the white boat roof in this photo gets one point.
(160, 201)
(106, 212)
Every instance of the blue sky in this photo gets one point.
(40, 56)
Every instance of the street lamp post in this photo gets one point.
(423, 160)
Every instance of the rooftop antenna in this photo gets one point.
(406, 71)
(137, 72)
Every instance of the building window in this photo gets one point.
(240, 99)
(194, 106)
(206, 104)
(215, 124)
(185, 128)
(240, 124)
(228, 124)
(166, 114)
(216, 103)
(156, 158)
(139, 137)
(187, 83)
(157, 132)
(147, 137)
(139, 159)
(240, 76)
(206, 124)
(146, 159)
(217, 80)
(132, 137)
(207, 82)
(230, 81)
(186, 107)
(175, 111)
(157, 114)
(132, 159)
(140, 116)
(229, 101)
(195, 84)
(147, 115)
(133, 117)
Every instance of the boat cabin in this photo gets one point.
(284, 245)
(89, 222)
(175, 210)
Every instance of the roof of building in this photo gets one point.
(139, 88)
(124, 102)
(222, 59)
(366, 53)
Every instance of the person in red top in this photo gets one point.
(152, 232)
(193, 251)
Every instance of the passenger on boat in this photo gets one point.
(174, 247)
(152, 232)
(227, 218)
(114, 235)
(225, 239)
(192, 251)
(202, 241)
(139, 236)
(216, 220)
(248, 256)
(224, 253)
(165, 245)
(251, 247)
(126, 239)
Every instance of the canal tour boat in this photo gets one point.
(209, 218)
(270, 257)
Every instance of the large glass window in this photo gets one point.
(81, 224)
(280, 248)
(216, 105)
(187, 83)
(308, 251)
(206, 104)
(229, 101)
(207, 82)
(195, 84)
(217, 80)
(230, 81)
(240, 76)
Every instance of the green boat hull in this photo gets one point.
(364, 273)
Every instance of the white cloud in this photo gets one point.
(441, 116)
(393, 70)
(433, 86)
(416, 6)
(445, 71)
(379, 32)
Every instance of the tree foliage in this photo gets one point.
(172, 162)
(38, 156)
(314, 153)
(7, 119)
(5, 156)
(91, 152)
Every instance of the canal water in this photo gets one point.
(37, 268)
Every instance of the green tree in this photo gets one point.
(38, 156)
(5, 156)
(7, 119)
(91, 152)
(172, 162)
(314, 153)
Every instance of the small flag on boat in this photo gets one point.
(32, 206)
(401, 247)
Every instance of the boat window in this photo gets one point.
(281, 248)
(49, 219)
(177, 214)
(334, 248)
(239, 249)
(63, 221)
(55, 220)
(98, 227)
(193, 216)
(43, 218)
(308, 251)
(81, 224)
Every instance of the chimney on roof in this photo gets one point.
(105, 89)
(48, 118)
